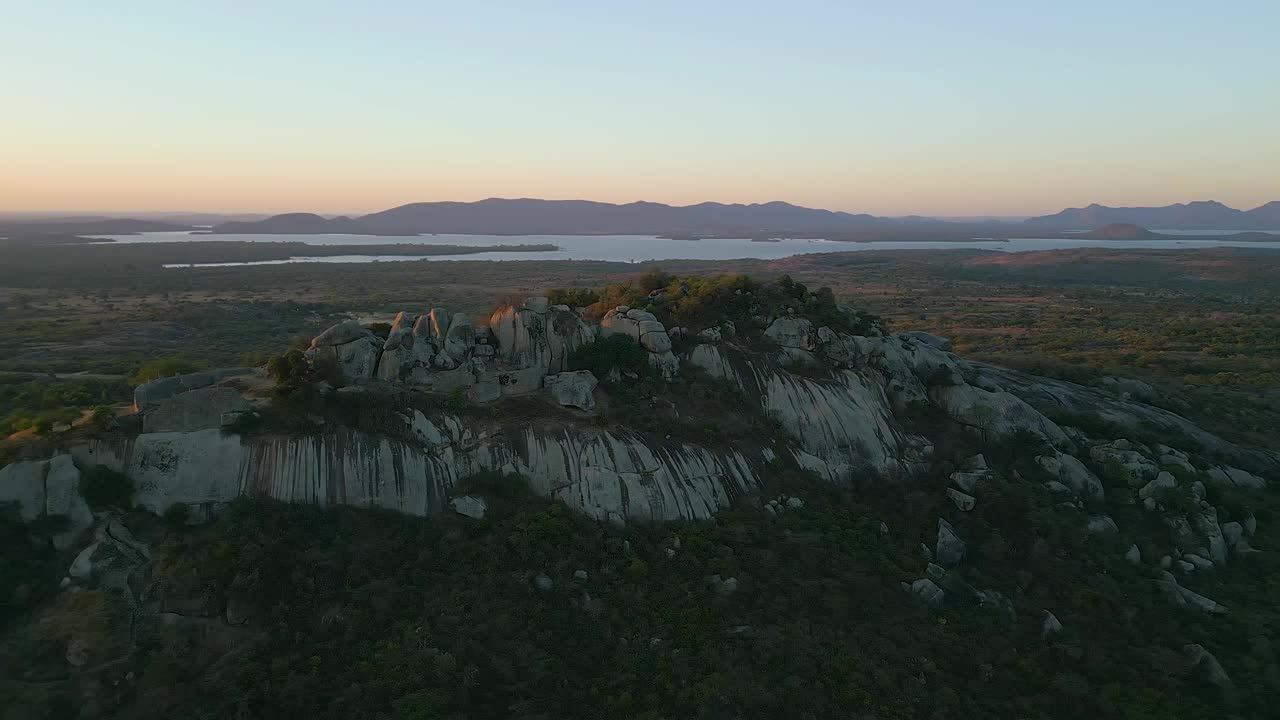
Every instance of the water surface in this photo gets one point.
(640, 248)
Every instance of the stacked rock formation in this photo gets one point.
(514, 354)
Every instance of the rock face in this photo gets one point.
(616, 477)
(995, 413)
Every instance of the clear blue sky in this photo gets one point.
(929, 107)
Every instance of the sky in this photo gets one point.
(942, 108)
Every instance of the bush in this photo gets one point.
(573, 297)
(605, 354)
(290, 370)
(177, 515)
(100, 486)
(457, 401)
(162, 367)
(699, 302)
(1177, 499)
(102, 418)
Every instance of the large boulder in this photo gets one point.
(1164, 481)
(460, 338)
(207, 407)
(1049, 624)
(1202, 665)
(358, 360)
(351, 349)
(521, 335)
(343, 333)
(438, 324)
(928, 592)
(712, 360)
(472, 506)
(1181, 597)
(408, 350)
(654, 337)
(23, 483)
(1072, 473)
(666, 363)
(573, 389)
(1225, 475)
(566, 332)
(950, 549)
(47, 487)
(1123, 457)
(794, 332)
(616, 323)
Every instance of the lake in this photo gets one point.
(638, 248)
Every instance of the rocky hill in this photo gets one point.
(674, 405)
(849, 408)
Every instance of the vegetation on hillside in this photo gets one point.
(368, 614)
(41, 403)
(701, 301)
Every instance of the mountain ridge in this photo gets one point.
(1195, 215)
(580, 217)
(532, 216)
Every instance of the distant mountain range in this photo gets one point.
(569, 217)
(497, 216)
(1201, 215)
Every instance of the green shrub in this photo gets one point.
(698, 302)
(457, 401)
(605, 354)
(573, 297)
(100, 486)
(177, 515)
(1177, 499)
(290, 370)
(102, 418)
(161, 368)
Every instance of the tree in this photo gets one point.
(100, 486)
